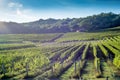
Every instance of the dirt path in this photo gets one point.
(55, 38)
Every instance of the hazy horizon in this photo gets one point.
(24, 11)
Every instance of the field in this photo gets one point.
(60, 56)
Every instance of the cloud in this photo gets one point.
(15, 8)
(24, 13)
(13, 4)
(17, 13)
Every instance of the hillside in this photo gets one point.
(67, 56)
(90, 23)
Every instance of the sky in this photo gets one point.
(32, 10)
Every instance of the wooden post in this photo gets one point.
(12, 66)
(75, 67)
(52, 68)
(3, 69)
(27, 69)
(79, 63)
(61, 65)
(106, 78)
(52, 71)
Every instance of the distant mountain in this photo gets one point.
(90, 23)
(15, 28)
(11, 27)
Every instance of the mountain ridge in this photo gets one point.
(89, 23)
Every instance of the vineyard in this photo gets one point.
(87, 56)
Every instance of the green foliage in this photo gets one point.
(85, 52)
(105, 52)
(20, 58)
(116, 61)
(97, 66)
(89, 36)
(26, 38)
